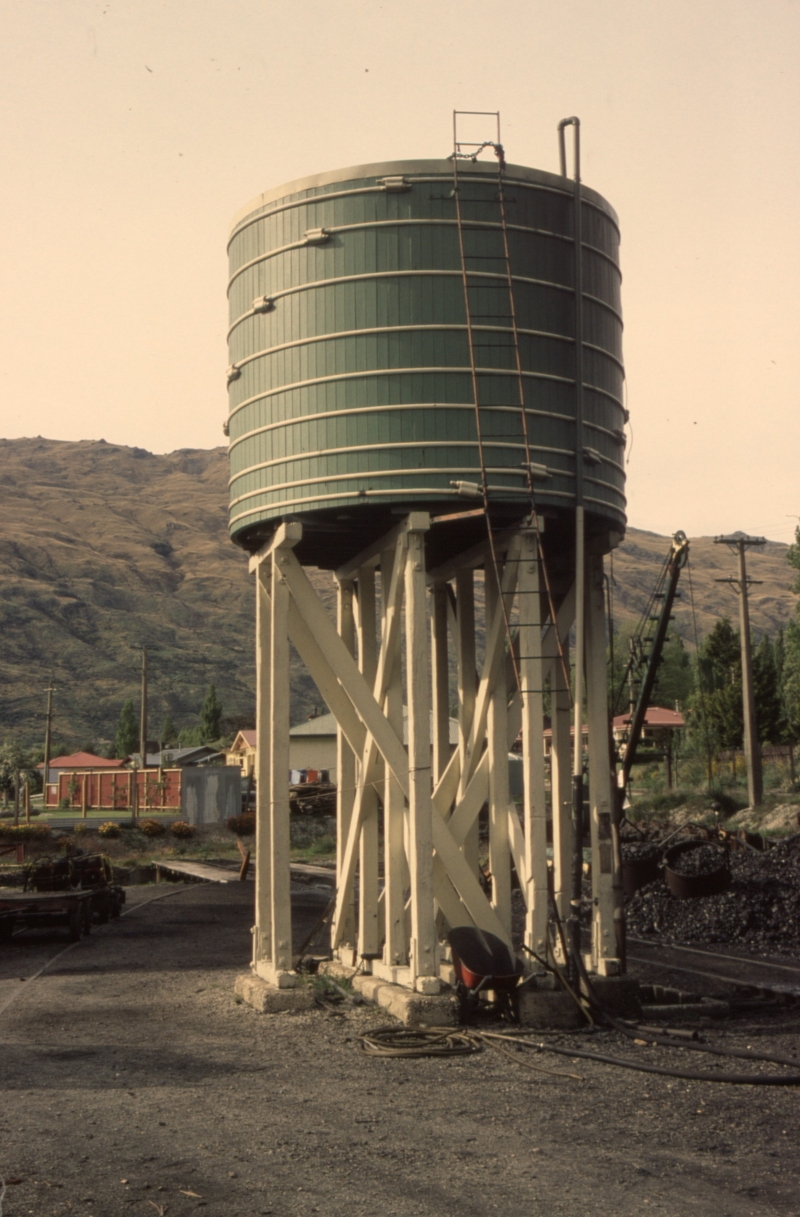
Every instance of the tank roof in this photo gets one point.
(420, 168)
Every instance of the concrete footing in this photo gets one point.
(550, 1011)
(268, 999)
(411, 1009)
(618, 994)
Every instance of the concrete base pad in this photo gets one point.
(618, 994)
(550, 1011)
(268, 999)
(412, 1009)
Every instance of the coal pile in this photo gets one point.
(761, 908)
(703, 860)
(639, 851)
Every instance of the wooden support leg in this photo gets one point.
(467, 689)
(531, 670)
(441, 681)
(368, 846)
(561, 787)
(262, 931)
(605, 960)
(280, 970)
(423, 961)
(345, 777)
(497, 737)
(395, 867)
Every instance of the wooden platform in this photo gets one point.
(202, 872)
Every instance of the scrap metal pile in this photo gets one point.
(759, 906)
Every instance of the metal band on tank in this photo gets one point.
(451, 368)
(426, 405)
(477, 274)
(420, 222)
(444, 326)
(421, 492)
(503, 470)
(319, 453)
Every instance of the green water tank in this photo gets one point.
(350, 379)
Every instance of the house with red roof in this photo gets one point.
(78, 760)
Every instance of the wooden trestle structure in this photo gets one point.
(394, 920)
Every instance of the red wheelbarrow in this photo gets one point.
(483, 962)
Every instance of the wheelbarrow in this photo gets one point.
(483, 962)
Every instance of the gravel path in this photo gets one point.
(133, 1083)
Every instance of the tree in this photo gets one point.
(169, 734)
(210, 715)
(127, 740)
(717, 705)
(675, 679)
(14, 760)
(770, 718)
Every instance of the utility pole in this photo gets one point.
(47, 736)
(752, 748)
(143, 711)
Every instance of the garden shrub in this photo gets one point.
(109, 829)
(244, 825)
(152, 828)
(24, 832)
(181, 829)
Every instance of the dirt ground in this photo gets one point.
(133, 1083)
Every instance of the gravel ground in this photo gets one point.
(135, 1084)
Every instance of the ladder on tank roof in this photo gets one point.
(474, 281)
(462, 151)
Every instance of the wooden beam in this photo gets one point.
(368, 841)
(497, 750)
(416, 521)
(347, 746)
(345, 670)
(467, 692)
(262, 931)
(493, 659)
(368, 768)
(423, 960)
(286, 536)
(441, 681)
(394, 866)
(281, 953)
(476, 556)
(605, 957)
(531, 670)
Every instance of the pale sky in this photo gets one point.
(134, 129)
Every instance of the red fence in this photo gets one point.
(113, 789)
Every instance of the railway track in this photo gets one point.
(768, 977)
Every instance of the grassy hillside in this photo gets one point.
(103, 548)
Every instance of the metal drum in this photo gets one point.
(351, 394)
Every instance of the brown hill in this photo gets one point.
(104, 548)
(636, 565)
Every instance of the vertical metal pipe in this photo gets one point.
(580, 534)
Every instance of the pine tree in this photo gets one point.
(766, 690)
(127, 740)
(210, 716)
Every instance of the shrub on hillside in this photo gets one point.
(152, 828)
(109, 829)
(181, 829)
(244, 825)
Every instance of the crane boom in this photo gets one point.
(675, 563)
